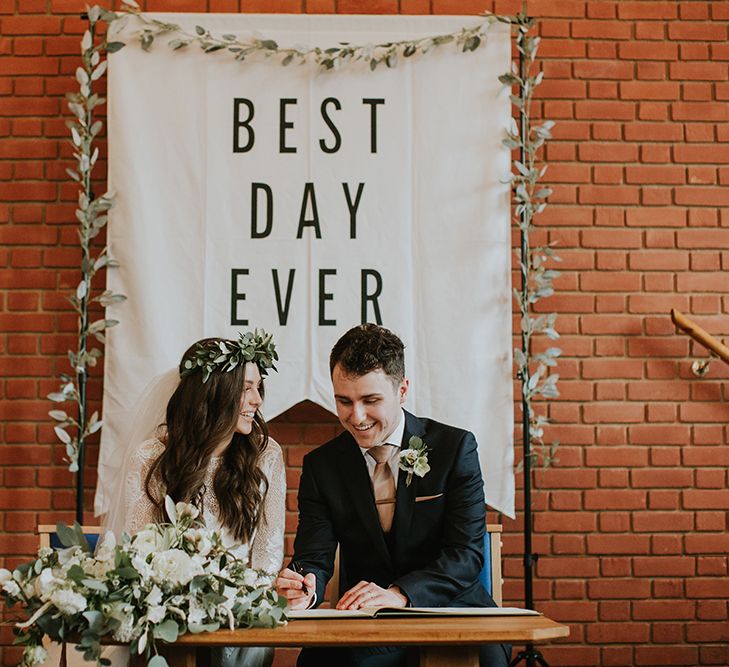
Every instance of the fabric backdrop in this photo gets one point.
(257, 195)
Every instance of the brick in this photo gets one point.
(617, 544)
(683, 30)
(649, 90)
(648, 51)
(646, 10)
(616, 456)
(31, 25)
(614, 499)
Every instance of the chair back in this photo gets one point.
(47, 536)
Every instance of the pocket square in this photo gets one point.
(420, 499)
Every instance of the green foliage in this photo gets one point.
(329, 59)
(91, 216)
(534, 370)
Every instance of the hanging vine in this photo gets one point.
(73, 430)
(530, 199)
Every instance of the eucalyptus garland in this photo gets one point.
(529, 196)
(73, 430)
(333, 58)
(530, 199)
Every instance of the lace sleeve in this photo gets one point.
(267, 547)
(139, 508)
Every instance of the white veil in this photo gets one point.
(143, 423)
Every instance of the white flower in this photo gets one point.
(155, 596)
(250, 577)
(34, 655)
(414, 460)
(9, 585)
(174, 566)
(186, 511)
(140, 564)
(70, 556)
(156, 614)
(148, 541)
(68, 602)
(122, 612)
(200, 541)
(46, 583)
(196, 615)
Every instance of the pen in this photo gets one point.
(299, 570)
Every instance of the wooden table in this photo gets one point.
(445, 641)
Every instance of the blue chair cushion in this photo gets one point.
(485, 576)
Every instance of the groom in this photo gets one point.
(407, 537)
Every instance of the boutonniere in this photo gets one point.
(414, 459)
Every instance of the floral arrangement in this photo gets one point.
(166, 580)
(414, 459)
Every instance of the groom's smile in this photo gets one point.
(369, 405)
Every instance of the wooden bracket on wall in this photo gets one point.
(714, 346)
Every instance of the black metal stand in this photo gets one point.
(531, 655)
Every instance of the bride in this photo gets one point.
(213, 450)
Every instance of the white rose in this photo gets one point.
(174, 566)
(68, 602)
(148, 541)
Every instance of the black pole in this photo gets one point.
(81, 374)
(531, 655)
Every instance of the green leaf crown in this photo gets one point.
(224, 355)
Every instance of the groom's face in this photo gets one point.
(368, 406)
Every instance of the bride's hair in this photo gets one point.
(201, 415)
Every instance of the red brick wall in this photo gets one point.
(632, 522)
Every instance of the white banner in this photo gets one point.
(257, 195)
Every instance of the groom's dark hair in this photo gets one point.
(367, 348)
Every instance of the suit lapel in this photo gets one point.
(360, 492)
(406, 494)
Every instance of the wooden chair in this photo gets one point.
(490, 576)
(47, 536)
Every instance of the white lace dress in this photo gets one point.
(266, 549)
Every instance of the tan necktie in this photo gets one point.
(383, 484)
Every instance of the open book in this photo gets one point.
(381, 612)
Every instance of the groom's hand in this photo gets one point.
(296, 588)
(367, 594)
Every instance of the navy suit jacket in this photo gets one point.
(436, 543)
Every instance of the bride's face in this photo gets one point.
(251, 399)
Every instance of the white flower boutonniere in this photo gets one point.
(414, 459)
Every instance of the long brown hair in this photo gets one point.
(199, 417)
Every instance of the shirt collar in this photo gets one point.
(395, 437)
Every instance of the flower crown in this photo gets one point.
(255, 346)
